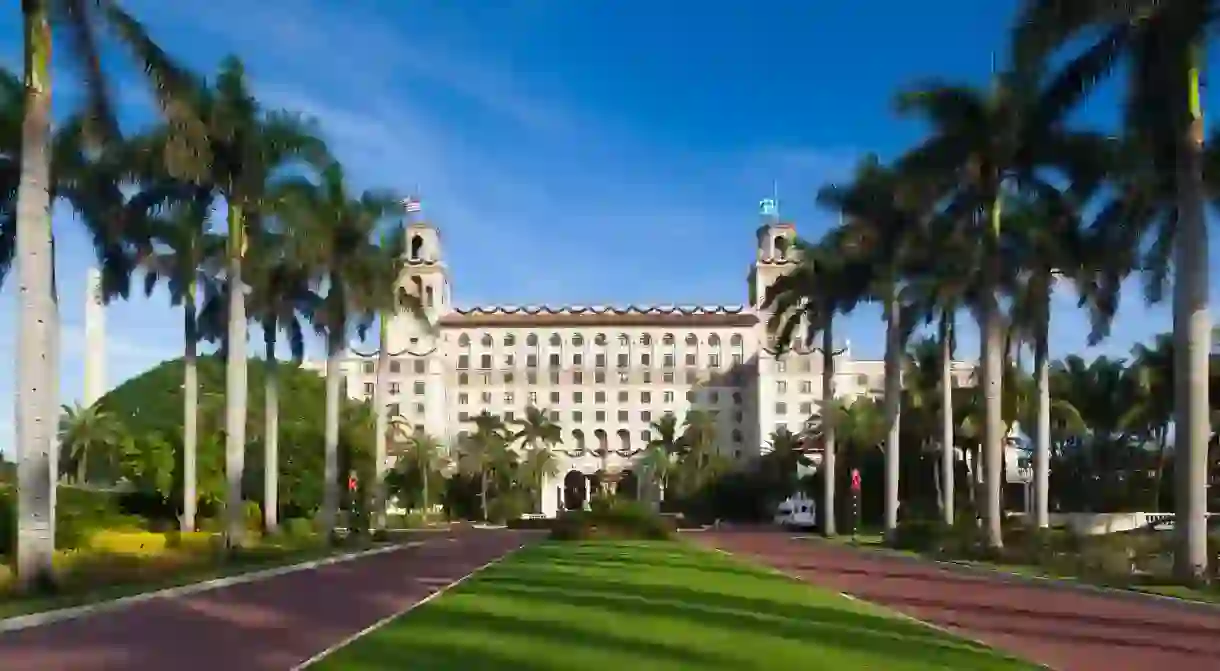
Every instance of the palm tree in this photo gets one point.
(885, 208)
(182, 249)
(662, 451)
(783, 463)
(482, 451)
(697, 447)
(33, 248)
(87, 429)
(809, 296)
(333, 235)
(1165, 43)
(538, 434)
(281, 300)
(245, 152)
(982, 144)
(424, 455)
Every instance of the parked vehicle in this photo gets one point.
(796, 512)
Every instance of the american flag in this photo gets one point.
(411, 204)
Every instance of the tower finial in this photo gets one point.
(769, 207)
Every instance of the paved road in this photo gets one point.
(270, 625)
(1065, 629)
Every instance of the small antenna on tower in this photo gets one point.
(769, 207)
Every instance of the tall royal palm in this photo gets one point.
(983, 144)
(333, 235)
(1165, 43)
(281, 301)
(247, 150)
(33, 248)
(884, 209)
(183, 249)
(808, 297)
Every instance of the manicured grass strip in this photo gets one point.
(650, 606)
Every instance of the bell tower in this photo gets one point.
(774, 253)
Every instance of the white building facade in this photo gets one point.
(603, 374)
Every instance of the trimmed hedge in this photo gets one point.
(618, 520)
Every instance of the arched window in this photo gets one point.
(510, 340)
(579, 437)
(623, 340)
(578, 340)
(531, 340)
(464, 340)
(736, 435)
(667, 339)
(555, 340)
(429, 297)
(713, 340)
(417, 286)
(736, 340)
(417, 247)
(463, 379)
(486, 341)
(781, 246)
(600, 339)
(646, 340)
(624, 440)
(691, 340)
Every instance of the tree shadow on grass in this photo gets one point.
(417, 648)
(822, 626)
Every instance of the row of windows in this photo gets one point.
(690, 376)
(417, 388)
(578, 397)
(599, 360)
(419, 366)
(600, 416)
(578, 340)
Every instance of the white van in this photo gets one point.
(797, 512)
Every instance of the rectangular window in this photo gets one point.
(781, 408)
(554, 397)
(806, 408)
(622, 415)
(623, 377)
(578, 397)
(599, 377)
(577, 359)
(485, 361)
(690, 359)
(463, 361)
(392, 410)
(508, 397)
(421, 366)
(554, 415)
(394, 388)
(395, 367)
(668, 397)
(554, 360)
(463, 398)
(623, 361)
(368, 387)
(623, 397)
(508, 416)
(531, 377)
(578, 377)
(647, 378)
(533, 398)
(485, 397)
(781, 366)
(646, 435)
(645, 397)
(713, 360)
(806, 387)
(418, 388)
(600, 416)
(599, 360)
(668, 361)
(645, 416)
(781, 387)
(645, 359)
(531, 361)
(736, 359)
(577, 416)
(554, 377)
(463, 417)
(599, 397)
(509, 378)
(509, 361)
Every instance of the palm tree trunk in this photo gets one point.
(190, 411)
(992, 358)
(828, 431)
(423, 495)
(330, 468)
(382, 421)
(947, 471)
(36, 466)
(235, 382)
(1192, 340)
(483, 493)
(1042, 433)
(271, 432)
(893, 408)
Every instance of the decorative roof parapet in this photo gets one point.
(581, 315)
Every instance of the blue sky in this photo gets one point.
(572, 152)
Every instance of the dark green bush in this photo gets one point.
(617, 520)
(921, 535)
(531, 523)
(297, 527)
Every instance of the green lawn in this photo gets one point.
(650, 606)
